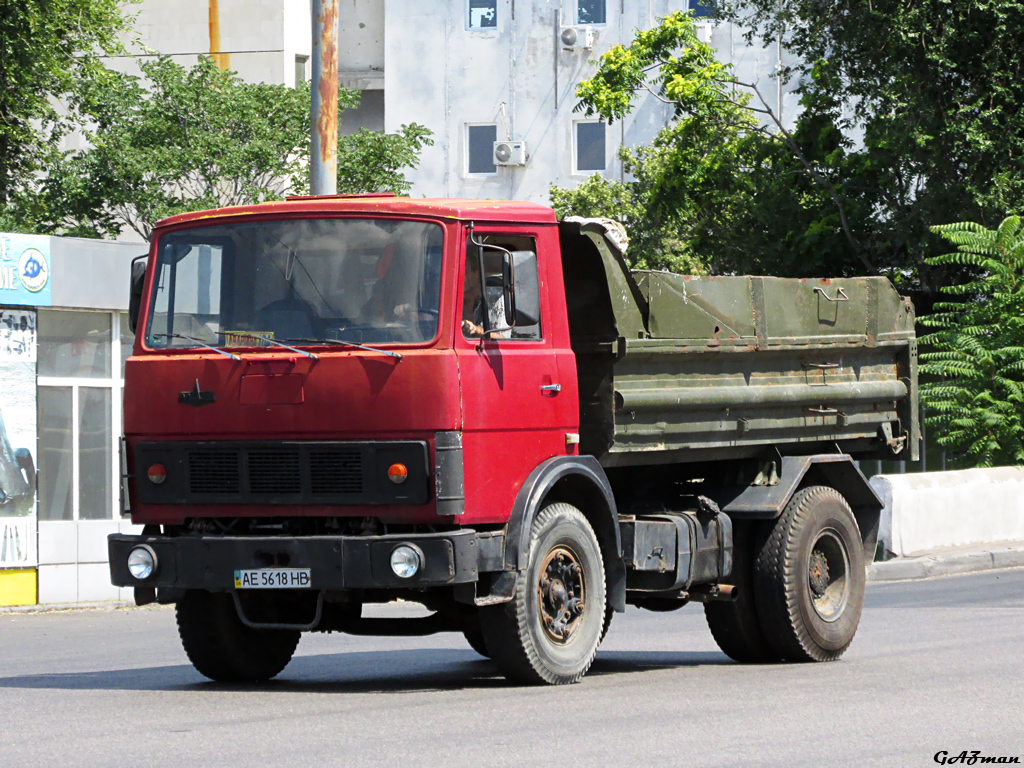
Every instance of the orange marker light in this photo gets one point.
(398, 474)
(157, 473)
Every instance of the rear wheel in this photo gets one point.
(550, 630)
(809, 577)
(735, 624)
(222, 648)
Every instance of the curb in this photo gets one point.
(111, 605)
(947, 563)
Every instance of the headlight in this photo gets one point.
(406, 560)
(141, 562)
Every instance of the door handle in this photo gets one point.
(550, 387)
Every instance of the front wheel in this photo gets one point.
(809, 577)
(224, 649)
(550, 630)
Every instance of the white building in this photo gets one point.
(474, 72)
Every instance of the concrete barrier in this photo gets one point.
(931, 510)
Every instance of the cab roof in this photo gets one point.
(380, 204)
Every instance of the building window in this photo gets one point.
(482, 14)
(591, 12)
(480, 149)
(590, 147)
(301, 69)
(79, 413)
(702, 10)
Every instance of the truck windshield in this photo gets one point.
(367, 281)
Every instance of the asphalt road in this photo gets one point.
(936, 665)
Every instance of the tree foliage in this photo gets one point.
(717, 188)
(47, 49)
(180, 139)
(910, 116)
(934, 89)
(975, 355)
(684, 179)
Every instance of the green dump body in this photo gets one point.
(707, 368)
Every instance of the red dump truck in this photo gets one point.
(335, 402)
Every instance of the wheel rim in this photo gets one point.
(828, 575)
(561, 594)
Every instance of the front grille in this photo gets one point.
(213, 472)
(283, 472)
(336, 471)
(274, 472)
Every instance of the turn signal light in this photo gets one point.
(398, 474)
(157, 473)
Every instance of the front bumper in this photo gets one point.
(335, 562)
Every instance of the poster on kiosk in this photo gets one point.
(24, 280)
(18, 438)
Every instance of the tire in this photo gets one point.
(735, 624)
(809, 577)
(475, 637)
(222, 648)
(550, 630)
(609, 614)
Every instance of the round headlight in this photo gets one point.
(141, 562)
(157, 474)
(406, 561)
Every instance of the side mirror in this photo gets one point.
(520, 288)
(135, 292)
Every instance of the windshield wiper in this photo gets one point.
(342, 343)
(194, 340)
(268, 340)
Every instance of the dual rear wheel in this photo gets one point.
(800, 582)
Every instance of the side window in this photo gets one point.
(591, 12)
(483, 306)
(590, 147)
(480, 149)
(482, 14)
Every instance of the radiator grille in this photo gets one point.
(213, 472)
(274, 472)
(336, 471)
(283, 472)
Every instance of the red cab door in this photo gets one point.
(519, 396)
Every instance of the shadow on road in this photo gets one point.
(402, 671)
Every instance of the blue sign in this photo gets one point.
(24, 270)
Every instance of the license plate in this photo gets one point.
(273, 578)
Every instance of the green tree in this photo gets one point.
(47, 49)
(656, 233)
(934, 89)
(187, 139)
(717, 188)
(975, 355)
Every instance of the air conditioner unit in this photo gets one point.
(577, 37)
(510, 153)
